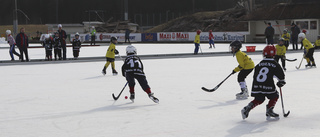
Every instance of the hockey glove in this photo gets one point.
(116, 51)
(281, 83)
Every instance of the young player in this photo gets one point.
(111, 52)
(263, 84)
(211, 38)
(76, 45)
(286, 37)
(281, 53)
(317, 43)
(57, 46)
(309, 49)
(12, 44)
(47, 43)
(197, 42)
(133, 69)
(245, 67)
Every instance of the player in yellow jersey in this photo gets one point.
(286, 37)
(281, 53)
(245, 67)
(111, 52)
(317, 43)
(309, 49)
(197, 42)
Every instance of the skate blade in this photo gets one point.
(269, 118)
(241, 98)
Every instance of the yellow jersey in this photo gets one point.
(317, 43)
(286, 36)
(110, 51)
(197, 39)
(307, 44)
(244, 61)
(281, 50)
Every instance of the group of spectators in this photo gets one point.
(22, 42)
(295, 30)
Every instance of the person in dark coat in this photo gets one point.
(63, 37)
(269, 32)
(295, 30)
(127, 36)
(22, 44)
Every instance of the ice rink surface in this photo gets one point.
(73, 99)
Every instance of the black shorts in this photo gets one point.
(110, 59)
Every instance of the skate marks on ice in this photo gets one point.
(249, 128)
(219, 103)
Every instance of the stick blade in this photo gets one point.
(286, 115)
(114, 97)
(208, 90)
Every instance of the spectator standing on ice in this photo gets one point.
(93, 36)
(12, 44)
(197, 42)
(295, 30)
(47, 43)
(211, 38)
(23, 44)
(76, 45)
(57, 46)
(127, 36)
(269, 32)
(63, 37)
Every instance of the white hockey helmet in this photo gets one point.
(131, 50)
(77, 34)
(59, 26)
(302, 35)
(8, 32)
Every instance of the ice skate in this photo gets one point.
(271, 115)
(132, 97)
(243, 94)
(313, 65)
(114, 72)
(154, 99)
(245, 111)
(210, 47)
(308, 65)
(104, 72)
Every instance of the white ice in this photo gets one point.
(74, 99)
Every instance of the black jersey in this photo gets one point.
(132, 65)
(263, 76)
(76, 44)
(47, 44)
(57, 43)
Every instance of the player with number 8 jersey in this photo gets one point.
(133, 69)
(263, 84)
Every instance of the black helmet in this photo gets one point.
(236, 44)
(113, 39)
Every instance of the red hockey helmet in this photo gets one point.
(269, 51)
(198, 31)
(210, 31)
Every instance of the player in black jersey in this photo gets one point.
(263, 84)
(76, 45)
(133, 69)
